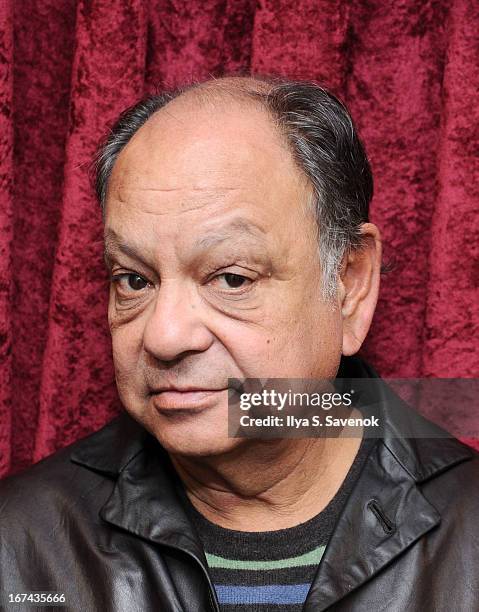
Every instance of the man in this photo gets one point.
(238, 244)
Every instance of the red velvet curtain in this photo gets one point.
(408, 70)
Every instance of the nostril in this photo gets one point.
(388, 526)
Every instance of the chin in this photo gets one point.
(195, 435)
(196, 447)
(194, 439)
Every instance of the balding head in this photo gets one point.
(316, 131)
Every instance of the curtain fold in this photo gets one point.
(408, 71)
(44, 37)
(6, 232)
(451, 322)
(395, 90)
(77, 342)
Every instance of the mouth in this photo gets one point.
(172, 402)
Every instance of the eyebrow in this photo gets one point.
(114, 242)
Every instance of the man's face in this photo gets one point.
(214, 271)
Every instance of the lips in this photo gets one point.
(191, 399)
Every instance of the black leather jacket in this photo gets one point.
(100, 521)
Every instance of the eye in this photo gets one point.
(232, 281)
(130, 282)
(136, 282)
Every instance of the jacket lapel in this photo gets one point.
(145, 499)
(385, 514)
(386, 511)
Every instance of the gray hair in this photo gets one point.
(321, 137)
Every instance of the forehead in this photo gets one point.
(218, 145)
(202, 164)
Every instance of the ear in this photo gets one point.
(359, 288)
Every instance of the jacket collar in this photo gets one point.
(110, 449)
(146, 501)
(422, 448)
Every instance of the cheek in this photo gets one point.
(320, 344)
(279, 349)
(308, 344)
(126, 348)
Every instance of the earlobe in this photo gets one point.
(351, 344)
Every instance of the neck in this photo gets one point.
(267, 485)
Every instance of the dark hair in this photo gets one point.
(321, 136)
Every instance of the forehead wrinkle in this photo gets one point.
(189, 199)
(189, 188)
(238, 228)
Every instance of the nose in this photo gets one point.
(175, 325)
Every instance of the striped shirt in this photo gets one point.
(271, 571)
